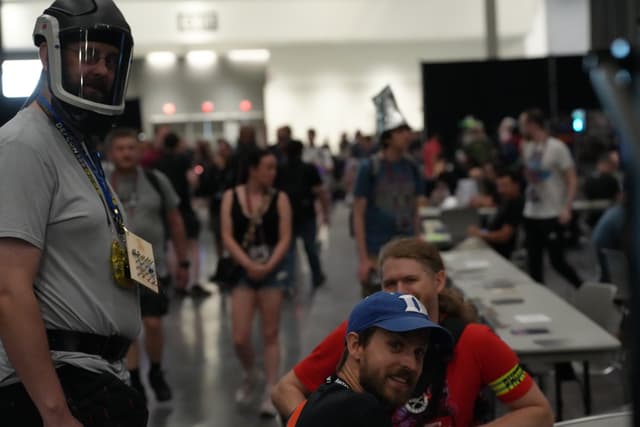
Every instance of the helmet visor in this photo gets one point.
(95, 64)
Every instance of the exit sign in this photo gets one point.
(197, 21)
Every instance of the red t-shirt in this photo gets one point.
(430, 153)
(479, 358)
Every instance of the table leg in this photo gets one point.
(558, 382)
(586, 394)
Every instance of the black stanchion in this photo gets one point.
(615, 76)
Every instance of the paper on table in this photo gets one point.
(532, 318)
(474, 265)
(437, 237)
(500, 284)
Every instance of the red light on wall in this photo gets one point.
(207, 107)
(245, 106)
(198, 170)
(169, 108)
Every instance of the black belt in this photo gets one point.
(111, 348)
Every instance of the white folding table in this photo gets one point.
(535, 322)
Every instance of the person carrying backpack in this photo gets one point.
(386, 192)
(151, 206)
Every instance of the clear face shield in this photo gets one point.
(95, 66)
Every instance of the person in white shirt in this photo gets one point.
(551, 188)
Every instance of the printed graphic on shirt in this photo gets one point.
(395, 194)
(414, 412)
(535, 169)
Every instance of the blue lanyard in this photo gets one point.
(90, 164)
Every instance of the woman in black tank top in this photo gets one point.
(256, 231)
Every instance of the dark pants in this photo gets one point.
(95, 400)
(191, 224)
(154, 304)
(547, 233)
(308, 231)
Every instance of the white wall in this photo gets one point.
(514, 18)
(265, 23)
(329, 57)
(569, 27)
(537, 41)
(558, 27)
(223, 83)
(330, 87)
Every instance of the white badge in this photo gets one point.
(141, 262)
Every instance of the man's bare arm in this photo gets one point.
(288, 393)
(23, 333)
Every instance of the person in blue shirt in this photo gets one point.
(386, 192)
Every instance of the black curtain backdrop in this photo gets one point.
(491, 90)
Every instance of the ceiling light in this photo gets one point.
(161, 59)
(249, 55)
(201, 58)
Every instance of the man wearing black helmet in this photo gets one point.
(68, 308)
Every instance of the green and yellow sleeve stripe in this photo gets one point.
(508, 381)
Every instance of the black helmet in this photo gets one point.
(90, 50)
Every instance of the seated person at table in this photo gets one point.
(485, 178)
(387, 337)
(609, 233)
(502, 230)
(447, 394)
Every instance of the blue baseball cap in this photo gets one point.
(393, 312)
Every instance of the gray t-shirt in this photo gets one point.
(47, 200)
(545, 166)
(143, 205)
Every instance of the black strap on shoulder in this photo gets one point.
(435, 371)
(484, 405)
(455, 326)
(155, 183)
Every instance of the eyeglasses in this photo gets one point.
(92, 56)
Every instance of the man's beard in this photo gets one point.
(94, 89)
(374, 382)
(86, 122)
(94, 94)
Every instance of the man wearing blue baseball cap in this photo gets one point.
(387, 336)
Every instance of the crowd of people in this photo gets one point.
(529, 178)
(84, 197)
(262, 199)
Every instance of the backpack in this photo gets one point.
(374, 171)
(435, 378)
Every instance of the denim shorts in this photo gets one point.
(277, 279)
